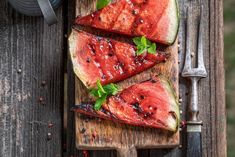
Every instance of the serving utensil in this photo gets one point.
(194, 74)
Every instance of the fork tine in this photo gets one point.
(187, 63)
(200, 60)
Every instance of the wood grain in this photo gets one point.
(122, 137)
(31, 84)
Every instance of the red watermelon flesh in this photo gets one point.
(157, 20)
(150, 103)
(98, 58)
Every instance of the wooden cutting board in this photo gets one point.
(92, 133)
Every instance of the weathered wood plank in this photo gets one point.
(31, 85)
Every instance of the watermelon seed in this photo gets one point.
(116, 67)
(134, 12)
(103, 76)
(141, 21)
(110, 54)
(153, 81)
(88, 60)
(141, 97)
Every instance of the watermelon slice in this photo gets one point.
(150, 103)
(97, 58)
(157, 20)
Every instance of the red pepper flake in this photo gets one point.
(43, 83)
(85, 153)
(183, 123)
(40, 99)
(50, 125)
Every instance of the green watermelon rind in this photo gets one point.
(174, 14)
(172, 124)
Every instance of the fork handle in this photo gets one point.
(194, 146)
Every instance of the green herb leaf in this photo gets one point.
(144, 45)
(94, 92)
(111, 89)
(152, 49)
(99, 102)
(143, 41)
(140, 51)
(137, 40)
(99, 85)
(102, 92)
(102, 3)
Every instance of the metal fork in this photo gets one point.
(194, 148)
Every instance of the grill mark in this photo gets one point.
(136, 21)
(96, 61)
(120, 63)
(114, 21)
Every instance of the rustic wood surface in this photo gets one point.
(31, 85)
(27, 43)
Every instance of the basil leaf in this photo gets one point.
(99, 85)
(143, 45)
(102, 92)
(152, 49)
(137, 40)
(94, 92)
(148, 42)
(99, 102)
(111, 89)
(140, 51)
(143, 41)
(102, 3)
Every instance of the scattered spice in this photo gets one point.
(49, 136)
(19, 70)
(43, 83)
(85, 153)
(183, 123)
(50, 125)
(82, 131)
(40, 99)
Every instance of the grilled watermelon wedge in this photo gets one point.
(151, 103)
(97, 58)
(157, 20)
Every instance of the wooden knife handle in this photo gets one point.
(127, 152)
(194, 146)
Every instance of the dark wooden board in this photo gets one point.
(30, 54)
